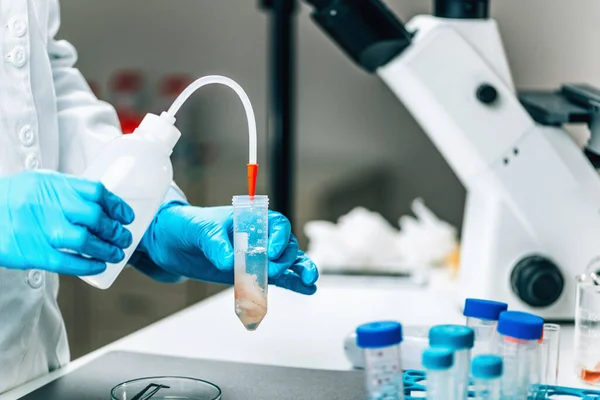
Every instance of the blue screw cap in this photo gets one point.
(455, 337)
(438, 358)
(484, 309)
(378, 334)
(520, 325)
(486, 367)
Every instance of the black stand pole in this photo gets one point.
(281, 104)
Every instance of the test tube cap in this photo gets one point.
(486, 366)
(456, 337)
(484, 309)
(438, 358)
(379, 334)
(520, 325)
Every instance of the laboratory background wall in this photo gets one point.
(356, 144)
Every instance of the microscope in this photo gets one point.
(532, 217)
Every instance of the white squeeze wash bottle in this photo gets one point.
(137, 168)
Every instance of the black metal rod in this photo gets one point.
(282, 104)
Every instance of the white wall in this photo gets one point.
(347, 119)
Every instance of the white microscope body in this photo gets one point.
(532, 218)
(531, 190)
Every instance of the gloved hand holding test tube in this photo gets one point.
(187, 242)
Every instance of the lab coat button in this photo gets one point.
(17, 56)
(26, 136)
(18, 27)
(35, 278)
(32, 162)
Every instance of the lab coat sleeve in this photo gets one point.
(85, 123)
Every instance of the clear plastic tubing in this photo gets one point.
(380, 342)
(486, 371)
(482, 317)
(460, 339)
(250, 233)
(550, 351)
(211, 79)
(438, 362)
(519, 335)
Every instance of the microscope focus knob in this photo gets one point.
(537, 281)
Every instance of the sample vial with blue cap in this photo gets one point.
(380, 342)
(487, 371)
(519, 335)
(438, 362)
(482, 316)
(460, 339)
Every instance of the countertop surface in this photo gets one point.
(299, 331)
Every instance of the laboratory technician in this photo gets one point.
(51, 126)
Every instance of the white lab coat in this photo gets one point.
(49, 119)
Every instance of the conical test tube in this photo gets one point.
(251, 270)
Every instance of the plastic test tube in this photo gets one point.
(250, 238)
(380, 342)
(438, 362)
(460, 339)
(519, 334)
(587, 329)
(482, 316)
(549, 353)
(487, 371)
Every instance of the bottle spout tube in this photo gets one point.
(212, 79)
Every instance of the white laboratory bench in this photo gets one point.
(299, 331)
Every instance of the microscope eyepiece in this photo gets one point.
(366, 30)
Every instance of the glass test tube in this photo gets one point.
(251, 270)
(587, 330)
(549, 354)
(518, 339)
(460, 339)
(380, 342)
(438, 362)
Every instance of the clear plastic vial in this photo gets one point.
(482, 317)
(380, 342)
(460, 339)
(438, 362)
(519, 335)
(486, 371)
(251, 270)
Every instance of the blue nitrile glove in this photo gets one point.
(196, 243)
(43, 212)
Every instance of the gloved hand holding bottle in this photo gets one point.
(50, 220)
(185, 241)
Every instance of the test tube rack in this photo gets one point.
(414, 389)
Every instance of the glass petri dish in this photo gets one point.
(166, 388)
